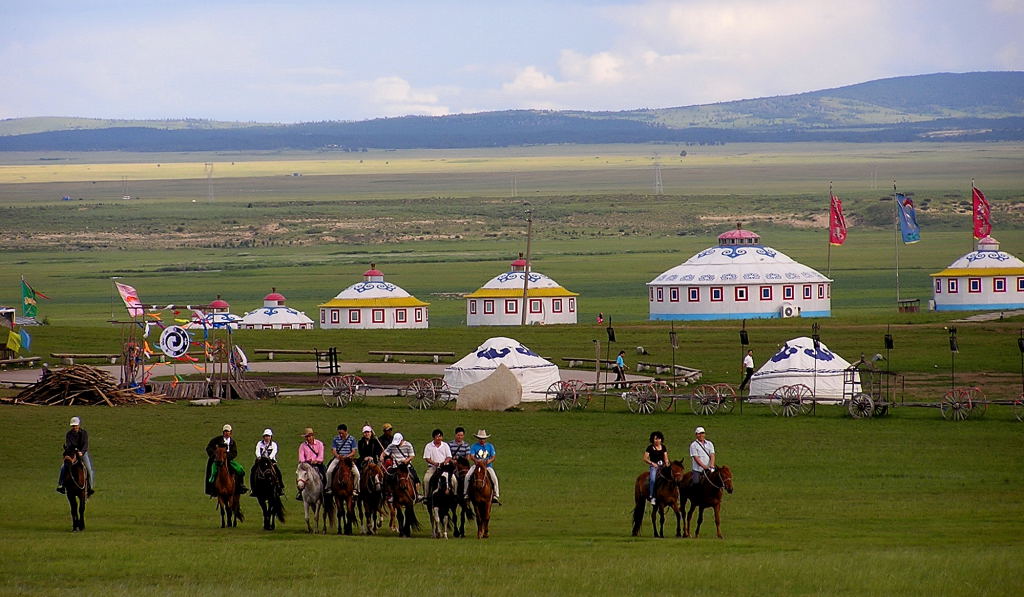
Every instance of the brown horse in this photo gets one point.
(481, 493)
(343, 490)
(706, 494)
(401, 495)
(666, 494)
(465, 509)
(224, 485)
(371, 497)
(76, 485)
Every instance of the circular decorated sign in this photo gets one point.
(174, 341)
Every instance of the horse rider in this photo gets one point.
(311, 450)
(76, 438)
(482, 454)
(459, 447)
(386, 435)
(656, 456)
(267, 448)
(436, 453)
(369, 446)
(224, 439)
(402, 452)
(343, 445)
(702, 451)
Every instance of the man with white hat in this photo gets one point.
(77, 438)
(224, 439)
(401, 451)
(267, 448)
(482, 454)
(702, 451)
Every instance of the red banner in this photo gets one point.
(982, 214)
(836, 221)
(131, 299)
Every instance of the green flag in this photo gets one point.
(29, 308)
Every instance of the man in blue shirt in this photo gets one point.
(342, 446)
(482, 453)
(459, 447)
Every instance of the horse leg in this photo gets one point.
(718, 520)
(73, 505)
(81, 512)
(675, 507)
(689, 518)
(700, 519)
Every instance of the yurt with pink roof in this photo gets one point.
(374, 303)
(500, 300)
(274, 315)
(217, 315)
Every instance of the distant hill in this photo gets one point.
(987, 106)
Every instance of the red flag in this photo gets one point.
(836, 221)
(131, 299)
(982, 214)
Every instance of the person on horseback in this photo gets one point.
(402, 452)
(436, 453)
(369, 446)
(656, 457)
(386, 435)
(702, 451)
(224, 439)
(343, 445)
(460, 448)
(482, 454)
(267, 448)
(76, 438)
(311, 450)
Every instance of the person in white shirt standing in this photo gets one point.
(748, 369)
(702, 451)
(437, 452)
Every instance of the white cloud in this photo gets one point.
(530, 78)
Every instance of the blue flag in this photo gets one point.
(908, 219)
(26, 340)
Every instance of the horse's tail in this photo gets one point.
(278, 508)
(411, 520)
(638, 515)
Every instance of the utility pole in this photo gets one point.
(526, 272)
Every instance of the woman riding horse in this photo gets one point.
(666, 494)
(371, 496)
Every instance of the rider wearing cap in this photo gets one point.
(311, 451)
(76, 438)
(402, 452)
(343, 445)
(224, 439)
(267, 448)
(386, 435)
(702, 451)
(482, 454)
(369, 446)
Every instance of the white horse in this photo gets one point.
(307, 478)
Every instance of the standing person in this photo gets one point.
(311, 450)
(436, 453)
(343, 445)
(483, 454)
(402, 452)
(748, 369)
(459, 447)
(267, 448)
(656, 456)
(76, 438)
(620, 370)
(702, 451)
(224, 439)
(369, 446)
(600, 318)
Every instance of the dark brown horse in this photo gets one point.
(371, 497)
(343, 490)
(481, 493)
(224, 485)
(706, 494)
(265, 488)
(76, 485)
(401, 495)
(666, 495)
(465, 509)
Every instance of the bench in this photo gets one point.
(19, 361)
(387, 354)
(68, 358)
(908, 305)
(270, 352)
(687, 373)
(577, 361)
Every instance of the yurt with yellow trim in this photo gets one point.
(984, 279)
(500, 301)
(374, 304)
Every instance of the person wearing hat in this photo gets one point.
(343, 446)
(231, 446)
(311, 450)
(386, 435)
(702, 451)
(401, 452)
(76, 438)
(482, 454)
(267, 448)
(369, 447)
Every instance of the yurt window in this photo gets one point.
(998, 284)
(489, 307)
(472, 307)
(1020, 284)
(268, 326)
(286, 326)
(335, 316)
(511, 306)
(828, 291)
(821, 291)
(741, 293)
(378, 315)
(650, 291)
(673, 294)
(556, 305)
(766, 293)
(535, 306)
(572, 305)
(716, 294)
(974, 285)
(419, 315)
(788, 292)
(693, 293)
(661, 294)
(807, 292)
(399, 315)
(323, 316)
(952, 286)
(938, 285)
(353, 315)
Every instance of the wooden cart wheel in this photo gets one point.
(805, 397)
(1018, 408)
(791, 401)
(704, 400)
(355, 388)
(420, 392)
(776, 399)
(726, 397)
(881, 408)
(443, 395)
(332, 390)
(975, 400)
(861, 406)
(561, 395)
(953, 409)
(642, 398)
(583, 393)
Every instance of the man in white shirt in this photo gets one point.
(748, 369)
(436, 453)
(702, 451)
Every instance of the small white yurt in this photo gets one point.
(984, 279)
(274, 315)
(217, 315)
(534, 373)
(799, 363)
(374, 304)
(500, 300)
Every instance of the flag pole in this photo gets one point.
(973, 215)
(828, 239)
(896, 239)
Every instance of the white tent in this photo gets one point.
(799, 363)
(534, 373)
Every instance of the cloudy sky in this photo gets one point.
(352, 60)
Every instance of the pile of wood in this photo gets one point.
(81, 385)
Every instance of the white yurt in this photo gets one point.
(274, 315)
(217, 315)
(534, 373)
(374, 304)
(739, 279)
(984, 279)
(798, 362)
(500, 300)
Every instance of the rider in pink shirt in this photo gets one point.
(311, 450)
